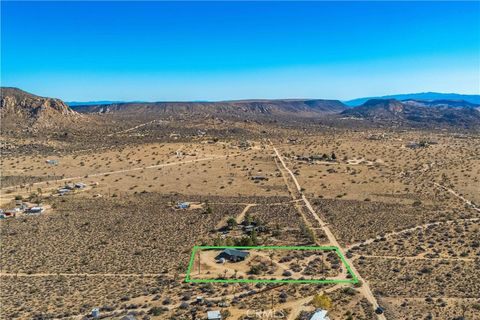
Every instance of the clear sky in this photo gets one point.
(151, 51)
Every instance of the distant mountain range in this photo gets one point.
(93, 103)
(288, 107)
(473, 98)
(21, 110)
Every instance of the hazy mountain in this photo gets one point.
(440, 112)
(234, 108)
(472, 98)
(22, 110)
(91, 103)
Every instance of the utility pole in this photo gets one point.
(272, 300)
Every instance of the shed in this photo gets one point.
(320, 314)
(214, 315)
(95, 313)
(183, 205)
(233, 255)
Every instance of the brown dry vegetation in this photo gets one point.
(375, 187)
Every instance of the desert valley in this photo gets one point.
(102, 206)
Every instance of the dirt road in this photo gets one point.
(468, 202)
(365, 288)
(423, 226)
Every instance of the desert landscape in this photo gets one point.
(240, 160)
(123, 205)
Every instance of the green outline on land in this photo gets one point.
(353, 280)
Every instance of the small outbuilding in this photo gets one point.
(214, 315)
(183, 205)
(320, 314)
(95, 313)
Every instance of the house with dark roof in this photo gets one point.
(232, 255)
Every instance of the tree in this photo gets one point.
(254, 238)
(248, 219)
(333, 157)
(231, 222)
(225, 314)
(322, 301)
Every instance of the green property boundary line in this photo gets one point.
(353, 280)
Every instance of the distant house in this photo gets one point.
(80, 185)
(320, 314)
(233, 255)
(63, 191)
(258, 178)
(302, 158)
(69, 186)
(21, 206)
(183, 205)
(174, 135)
(249, 228)
(35, 210)
(52, 162)
(244, 144)
(214, 315)
(318, 157)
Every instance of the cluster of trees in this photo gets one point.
(247, 240)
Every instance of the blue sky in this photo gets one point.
(155, 51)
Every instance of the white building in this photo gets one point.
(214, 315)
(320, 314)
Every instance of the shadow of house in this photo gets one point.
(232, 255)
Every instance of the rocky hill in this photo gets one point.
(23, 111)
(418, 112)
(299, 108)
(442, 103)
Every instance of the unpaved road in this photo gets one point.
(132, 128)
(365, 288)
(468, 202)
(390, 234)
